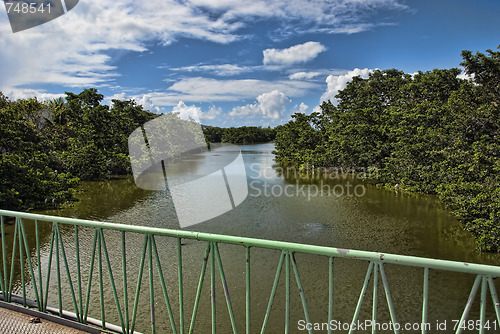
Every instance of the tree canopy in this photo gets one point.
(238, 135)
(430, 132)
(48, 147)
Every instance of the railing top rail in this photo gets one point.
(472, 268)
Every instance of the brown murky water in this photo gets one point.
(342, 212)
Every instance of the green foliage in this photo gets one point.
(298, 142)
(239, 135)
(431, 132)
(47, 147)
(485, 69)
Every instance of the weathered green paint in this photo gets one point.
(212, 257)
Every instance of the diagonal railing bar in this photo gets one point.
(301, 289)
(112, 280)
(139, 281)
(3, 278)
(388, 297)
(58, 269)
(49, 268)
(18, 273)
(21, 257)
(28, 258)
(199, 289)
(101, 279)
(494, 297)
(3, 282)
(374, 268)
(78, 273)
(486, 282)
(39, 267)
(468, 305)
(362, 296)
(11, 280)
(273, 292)
(91, 272)
(68, 274)
(225, 288)
(163, 286)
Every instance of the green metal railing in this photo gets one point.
(33, 267)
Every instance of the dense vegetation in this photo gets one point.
(48, 147)
(430, 132)
(239, 135)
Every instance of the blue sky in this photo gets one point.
(237, 62)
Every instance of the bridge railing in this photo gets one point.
(69, 263)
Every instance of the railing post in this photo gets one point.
(3, 279)
(287, 293)
(375, 297)
(151, 287)
(247, 288)
(330, 293)
(212, 287)
(181, 285)
(24, 272)
(39, 264)
(125, 285)
(425, 300)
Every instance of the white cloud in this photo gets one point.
(208, 90)
(25, 93)
(269, 105)
(303, 75)
(147, 103)
(335, 83)
(185, 112)
(74, 50)
(212, 113)
(222, 70)
(323, 14)
(300, 53)
(302, 108)
(195, 113)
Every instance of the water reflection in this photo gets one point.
(378, 220)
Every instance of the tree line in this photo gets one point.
(48, 147)
(239, 135)
(429, 132)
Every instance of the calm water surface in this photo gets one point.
(348, 213)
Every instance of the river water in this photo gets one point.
(343, 212)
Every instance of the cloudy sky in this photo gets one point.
(237, 62)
